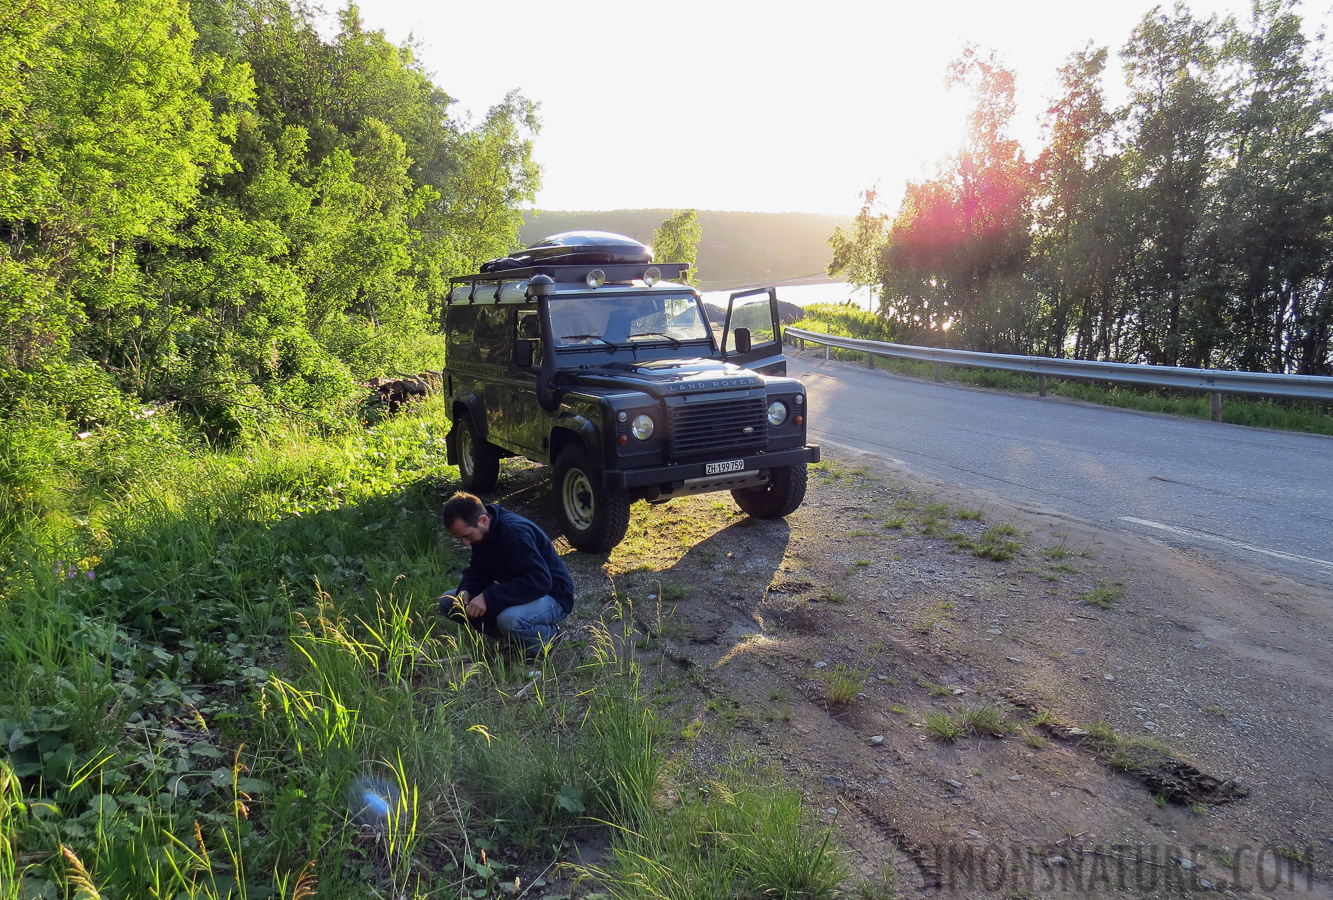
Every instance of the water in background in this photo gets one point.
(805, 294)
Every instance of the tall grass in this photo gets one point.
(222, 675)
(739, 836)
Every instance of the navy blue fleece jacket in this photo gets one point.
(515, 564)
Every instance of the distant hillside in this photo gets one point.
(738, 249)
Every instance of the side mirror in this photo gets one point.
(742, 340)
(523, 353)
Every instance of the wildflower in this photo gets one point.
(73, 572)
(91, 575)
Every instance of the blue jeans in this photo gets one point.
(533, 624)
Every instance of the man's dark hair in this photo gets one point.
(464, 506)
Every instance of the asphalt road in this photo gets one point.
(1264, 497)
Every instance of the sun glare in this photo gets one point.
(944, 125)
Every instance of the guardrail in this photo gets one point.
(1215, 382)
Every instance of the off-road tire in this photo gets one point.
(478, 460)
(594, 517)
(780, 497)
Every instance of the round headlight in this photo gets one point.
(596, 278)
(642, 426)
(652, 276)
(777, 413)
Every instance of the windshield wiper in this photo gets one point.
(584, 337)
(675, 342)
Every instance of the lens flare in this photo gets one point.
(371, 800)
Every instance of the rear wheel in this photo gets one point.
(478, 460)
(780, 497)
(595, 518)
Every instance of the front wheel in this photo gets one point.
(780, 497)
(478, 459)
(595, 518)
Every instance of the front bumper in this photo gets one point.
(670, 478)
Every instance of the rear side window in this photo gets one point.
(492, 334)
(461, 325)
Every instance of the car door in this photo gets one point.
(524, 419)
(757, 312)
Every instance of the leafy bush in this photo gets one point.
(847, 321)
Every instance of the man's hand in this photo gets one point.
(476, 606)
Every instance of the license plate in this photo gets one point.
(732, 465)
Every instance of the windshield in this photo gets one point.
(620, 319)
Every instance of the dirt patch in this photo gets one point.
(1167, 721)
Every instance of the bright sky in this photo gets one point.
(742, 105)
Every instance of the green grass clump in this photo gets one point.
(1106, 595)
(843, 683)
(739, 836)
(999, 543)
(934, 688)
(966, 718)
(1122, 754)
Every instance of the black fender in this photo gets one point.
(572, 428)
(470, 403)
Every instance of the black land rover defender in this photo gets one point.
(581, 352)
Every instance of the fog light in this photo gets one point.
(596, 278)
(643, 427)
(652, 276)
(777, 413)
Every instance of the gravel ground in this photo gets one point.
(1215, 682)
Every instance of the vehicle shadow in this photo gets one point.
(711, 602)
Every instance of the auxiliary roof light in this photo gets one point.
(652, 276)
(596, 278)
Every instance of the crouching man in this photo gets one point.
(515, 584)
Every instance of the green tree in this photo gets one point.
(1176, 116)
(103, 155)
(677, 240)
(856, 254)
(1268, 225)
(489, 173)
(1078, 263)
(953, 264)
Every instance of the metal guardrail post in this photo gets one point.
(1215, 405)
(938, 376)
(827, 348)
(1041, 385)
(870, 359)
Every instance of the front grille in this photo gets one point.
(718, 427)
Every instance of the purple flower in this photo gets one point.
(91, 575)
(73, 570)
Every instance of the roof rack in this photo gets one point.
(577, 272)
